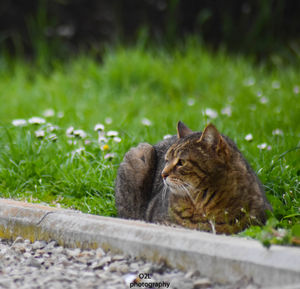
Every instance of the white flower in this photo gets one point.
(249, 137)
(117, 139)
(146, 122)
(80, 133)
(49, 112)
(109, 156)
(296, 89)
(264, 100)
(275, 84)
(19, 122)
(36, 120)
(108, 120)
(87, 142)
(51, 128)
(112, 133)
(78, 151)
(167, 136)
(262, 146)
(99, 127)
(211, 113)
(226, 111)
(72, 142)
(70, 131)
(191, 101)
(60, 114)
(249, 81)
(39, 133)
(102, 140)
(277, 131)
(52, 137)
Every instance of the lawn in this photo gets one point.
(139, 95)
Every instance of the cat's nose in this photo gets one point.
(164, 175)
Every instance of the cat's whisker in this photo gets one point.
(184, 187)
(164, 192)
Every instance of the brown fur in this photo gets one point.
(197, 180)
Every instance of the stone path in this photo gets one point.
(42, 265)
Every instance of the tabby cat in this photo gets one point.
(196, 180)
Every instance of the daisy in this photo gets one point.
(49, 112)
(112, 133)
(51, 128)
(211, 113)
(52, 137)
(80, 133)
(146, 122)
(78, 151)
(191, 102)
(70, 131)
(39, 133)
(19, 122)
(226, 111)
(167, 136)
(108, 120)
(117, 139)
(264, 100)
(109, 156)
(249, 137)
(60, 114)
(99, 127)
(105, 147)
(72, 142)
(36, 120)
(102, 139)
(277, 131)
(262, 146)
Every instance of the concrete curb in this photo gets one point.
(222, 258)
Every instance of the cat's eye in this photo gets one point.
(180, 163)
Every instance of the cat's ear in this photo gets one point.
(183, 130)
(210, 136)
(214, 140)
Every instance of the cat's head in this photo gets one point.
(196, 159)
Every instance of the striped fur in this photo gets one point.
(197, 180)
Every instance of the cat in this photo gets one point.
(195, 180)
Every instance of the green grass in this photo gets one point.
(129, 85)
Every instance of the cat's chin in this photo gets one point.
(176, 189)
(177, 192)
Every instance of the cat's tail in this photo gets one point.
(134, 182)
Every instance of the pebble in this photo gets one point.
(202, 283)
(46, 265)
(38, 245)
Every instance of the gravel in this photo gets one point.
(46, 265)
